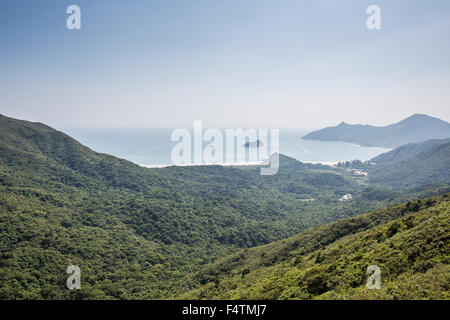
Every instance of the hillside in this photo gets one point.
(412, 168)
(417, 128)
(137, 232)
(408, 151)
(427, 168)
(409, 242)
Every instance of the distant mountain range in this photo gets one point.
(417, 128)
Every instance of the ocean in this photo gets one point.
(152, 147)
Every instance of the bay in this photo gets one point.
(152, 147)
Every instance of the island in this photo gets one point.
(252, 144)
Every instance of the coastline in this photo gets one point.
(234, 164)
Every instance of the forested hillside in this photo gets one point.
(408, 242)
(425, 169)
(408, 151)
(139, 233)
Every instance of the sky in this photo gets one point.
(233, 63)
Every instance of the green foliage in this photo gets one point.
(408, 151)
(139, 233)
(425, 169)
(409, 242)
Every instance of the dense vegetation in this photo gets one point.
(409, 242)
(419, 167)
(417, 128)
(427, 168)
(408, 151)
(139, 233)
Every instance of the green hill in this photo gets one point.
(408, 151)
(409, 242)
(137, 232)
(409, 168)
(427, 168)
(417, 128)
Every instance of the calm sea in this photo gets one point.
(152, 147)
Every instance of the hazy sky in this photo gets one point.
(250, 63)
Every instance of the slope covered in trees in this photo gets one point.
(137, 232)
(431, 167)
(408, 151)
(408, 242)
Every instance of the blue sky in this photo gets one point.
(229, 63)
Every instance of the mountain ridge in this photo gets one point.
(429, 166)
(407, 151)
(414, 129)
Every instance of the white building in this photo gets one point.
(345, 197)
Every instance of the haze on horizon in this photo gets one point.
(258, 63)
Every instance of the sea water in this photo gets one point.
(152, 147)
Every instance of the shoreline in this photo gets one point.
(324, 163)
(234, 164)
